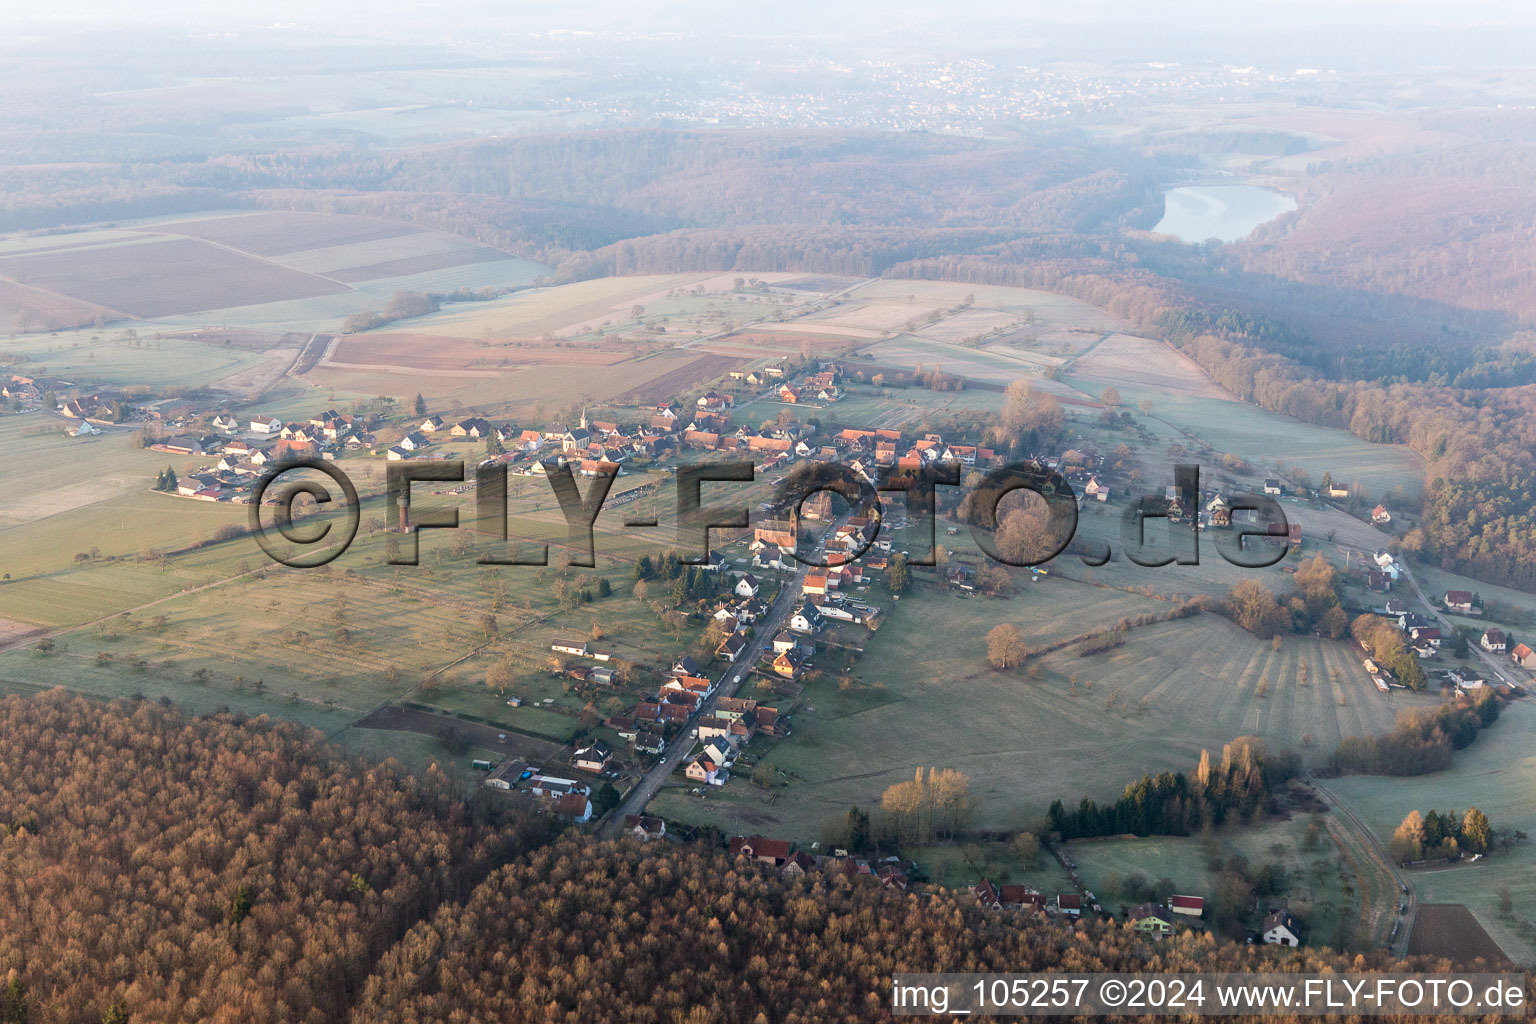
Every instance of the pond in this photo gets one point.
(1195, 213)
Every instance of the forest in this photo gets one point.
(164, 867)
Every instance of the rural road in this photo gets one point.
(730, 680)
(1400, 945)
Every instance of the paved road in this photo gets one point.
(768, 627)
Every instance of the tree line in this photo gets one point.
(1238, 788)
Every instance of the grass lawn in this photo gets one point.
(1083, 726)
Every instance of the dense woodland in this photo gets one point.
(578, 933)
(161, 867)
(212, 869)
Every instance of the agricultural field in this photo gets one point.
(281, 270)
(566, 310)
(1450, 931)
(1152, 704)
(1190, 403)
(1497, 774)
(159, 278)
(25, 308)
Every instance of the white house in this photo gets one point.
(1280, 929)
(747, 586)
(592, 758)
(806, 619)
(266, 425)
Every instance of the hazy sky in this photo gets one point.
(1370, 33)
(806, 16)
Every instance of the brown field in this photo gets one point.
(33, 309)
(13, 632)
(418, 264)
(1449, 930)
(701, 370)
(279, 232)
(1131, 360)
(817, 283)
(408, 351)
(151, 279)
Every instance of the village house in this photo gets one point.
(575, 807)
(1380, 516)
(475, 428)
(1273, 486)
(1280, 929)
(773, 852)
(1021, 897)
(732, 647)
(1070, 904)
(1494, 641)
(1466, 679)
(1150, 919)
(768, 556)
(986, 894)
(1460, 602)
(806, 619)
(644, 827)
(1523, 656)
(789, 664)
(747, 586)
(593, 758)
(700, 769)
(771, 723)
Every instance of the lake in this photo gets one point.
(1227, 212)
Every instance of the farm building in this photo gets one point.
(1190, 906)
(577, 647)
